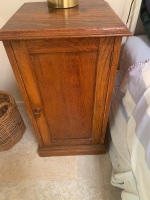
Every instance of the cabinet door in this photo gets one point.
(69, 85)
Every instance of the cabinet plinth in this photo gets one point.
(65, 63)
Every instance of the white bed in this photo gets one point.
(130, 169)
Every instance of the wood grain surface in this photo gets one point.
(25, 69)
(22, 88)
(65, 62)
(70, 87)
(102, 80)
(62, 45)
(66, 83)
(73, 150)
(92, 18)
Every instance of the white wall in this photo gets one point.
(7, 9)
(118, 6)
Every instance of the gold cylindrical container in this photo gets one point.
(62, 3)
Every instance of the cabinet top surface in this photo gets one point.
(92, 18)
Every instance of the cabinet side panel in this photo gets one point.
(66, 83)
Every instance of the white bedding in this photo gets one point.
(123, 151)
(122, 175)
(136, 49)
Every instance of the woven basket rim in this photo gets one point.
(9, 95)
(7, 112)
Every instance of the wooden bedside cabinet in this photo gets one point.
(65, 62)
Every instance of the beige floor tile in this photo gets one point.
(105, 168)
(94, 167)
(115, 194)
(95, 189)
(22, 168)
(88, 166)
(41, 190)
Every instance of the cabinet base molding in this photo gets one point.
(72, 150)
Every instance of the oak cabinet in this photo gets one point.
(65, 63)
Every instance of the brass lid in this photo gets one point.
(62, 3)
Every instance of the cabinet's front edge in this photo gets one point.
(82, 33)
(14, 65)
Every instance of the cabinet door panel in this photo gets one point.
(71, 88)
(66, 82)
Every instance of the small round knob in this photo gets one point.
(37, 112)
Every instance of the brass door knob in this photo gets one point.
(37, 112)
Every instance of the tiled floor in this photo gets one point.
(26, 176)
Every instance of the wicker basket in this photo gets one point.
(12, 126)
